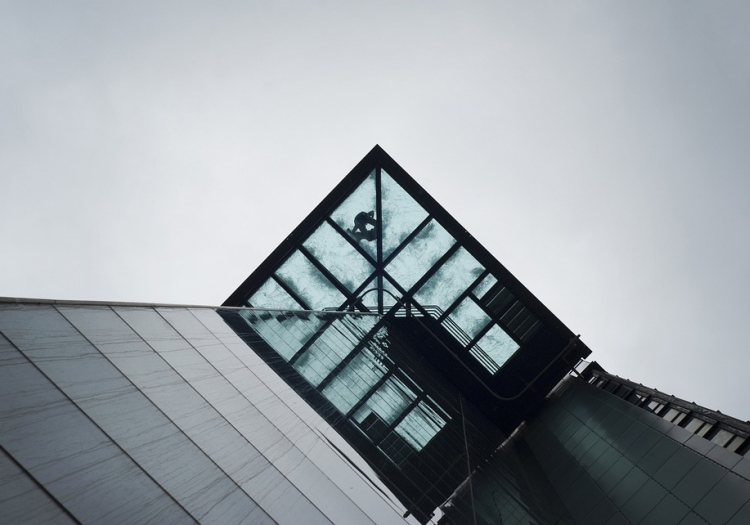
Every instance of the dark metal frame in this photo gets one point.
(534, 369)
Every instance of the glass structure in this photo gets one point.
(379, 249)
(379, 367)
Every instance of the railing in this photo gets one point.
(455, 330)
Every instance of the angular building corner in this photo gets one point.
(380, 366)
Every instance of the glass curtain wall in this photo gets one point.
(379, 250)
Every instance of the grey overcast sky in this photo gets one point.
(158, 151)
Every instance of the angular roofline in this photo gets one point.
(378, 157)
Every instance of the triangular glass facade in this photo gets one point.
(397, 327)
(381, 247)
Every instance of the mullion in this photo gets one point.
(496, 319)
(351, 241)
(349, 358)
(317, 335)
(288, 290)
(481, 334)
(463, 296)
(405, 297)
(435, 267)
(372, 391)
(358, 291)
(396, 422)
(328, 275)
(408, 239)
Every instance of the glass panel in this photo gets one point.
(271, 295)
(387, 402)
(354, 381)
(482, 288)
(285, 333)
(223, 393)
(336, 254)
(450, 281)
(469, 318)
(282, 407)
(722, 437)
(401, 214)
(420, 426)
(362, 200)
(308, 283)
(497, 345)
(331, 347)
(420, 254)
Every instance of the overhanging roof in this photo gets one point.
(380, 243)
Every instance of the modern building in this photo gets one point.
(379, 367)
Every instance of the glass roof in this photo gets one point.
(380, 249)
(345, 357)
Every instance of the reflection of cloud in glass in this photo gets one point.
(285, 333)
(271, 295)
(452, 279)
(388, 401)
(498, 346)
(401, 214)
(354, 381)
(420, 254)
(307, 282)
(420, 426)
(331, 347)
(469, 317)
(336, 254)
(487, 283)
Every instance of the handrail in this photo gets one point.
(572, 342)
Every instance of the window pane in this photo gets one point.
(62, 448)
(469, 318)
(401, 214)
(420, 426)
(137, 425)
(271, 295)
(694, 424)
(420, 254)
(354, 381)
(452, 279)
(387, 402)
(331, 347)
(284, 332)
(735, 443)
(308, 283)
(336, 254)
(497, 345)
(482, 288)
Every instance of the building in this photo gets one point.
(380, 366)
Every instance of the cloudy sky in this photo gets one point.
(158, 151)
